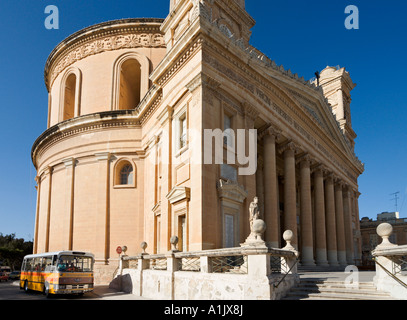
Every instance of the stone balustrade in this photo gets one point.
(391, 263)
(253, 271)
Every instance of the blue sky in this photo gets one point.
(304, 36)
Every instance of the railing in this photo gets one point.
(289, 271)
(230, 260)
(391, 264)
(157, 275)
(390, 274)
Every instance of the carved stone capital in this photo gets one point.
(318, 167)
(304, 158)
(202, 80)
(289, 145)
(69, 162)
(250, 111)
(103, 156)
(339, 183)
(271, 130)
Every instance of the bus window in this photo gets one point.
(75, 264)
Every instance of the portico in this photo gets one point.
(315, 202)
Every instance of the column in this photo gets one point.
(330, 221)
(290, 199)
(307, 247)
(320, 231)
(340, 231)
(271, 206)
(103, 217)
(348, 226)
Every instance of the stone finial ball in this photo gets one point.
(143, 245)
(384, 230)
(174, 240)
(288, 235)
(259, 226)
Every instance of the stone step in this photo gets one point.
(337, 284)
(318, 296)
(316, 289)
(339, 291)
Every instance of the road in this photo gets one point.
(10, 290)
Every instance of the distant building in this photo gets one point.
(370, 239)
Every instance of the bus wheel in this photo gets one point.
(46, 290)
(26, 286)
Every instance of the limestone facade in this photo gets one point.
(121, 159)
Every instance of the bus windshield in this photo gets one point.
(68, 263)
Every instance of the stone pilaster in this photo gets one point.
(102, 222)
(48, 172)
(69, 198)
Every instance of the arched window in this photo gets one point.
(130, 81)
(126, 175)
(69, 97)
(70, 94)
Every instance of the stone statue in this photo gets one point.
(254, 212)
(257, 226)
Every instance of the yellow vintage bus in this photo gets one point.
(62, 272)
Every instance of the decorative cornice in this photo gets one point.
(80, 125)
(108, 36)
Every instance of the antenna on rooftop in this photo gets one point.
(396, 198)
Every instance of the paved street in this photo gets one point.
(10, 291)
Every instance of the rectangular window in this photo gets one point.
(229, 231)
(228, 130)
(183, 131)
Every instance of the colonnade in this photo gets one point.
(309, 199)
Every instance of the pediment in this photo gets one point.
(179, 194)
